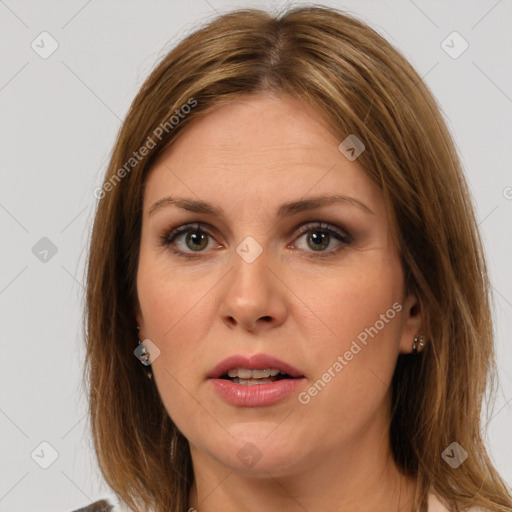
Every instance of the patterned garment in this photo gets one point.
(434, 505)
(107, 505)
(97, 506)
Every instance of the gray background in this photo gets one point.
(59, 118)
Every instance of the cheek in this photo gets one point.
(175, 307)
(172, 297)
(353, 351)
(172, 316)
(347, 306)
(175, 318)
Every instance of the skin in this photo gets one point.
(333, 453)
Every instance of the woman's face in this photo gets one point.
(267, 278)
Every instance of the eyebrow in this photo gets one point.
(285, 210)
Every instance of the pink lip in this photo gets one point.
(257, 361)
(258, 395)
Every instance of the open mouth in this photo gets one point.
(260, 380)
(254, 377)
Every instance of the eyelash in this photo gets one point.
(169, 237)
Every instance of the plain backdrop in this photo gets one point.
(59, 118)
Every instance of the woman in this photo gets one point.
(286, 242)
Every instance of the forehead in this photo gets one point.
(257, 148)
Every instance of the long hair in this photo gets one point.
(360, 84)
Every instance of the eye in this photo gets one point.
(319, 237)
(196, 239)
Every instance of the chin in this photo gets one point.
(257, 450)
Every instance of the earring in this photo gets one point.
(144, 359)
(419, 344)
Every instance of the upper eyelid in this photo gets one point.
(342, 236)
(302, 228)
(322, 225)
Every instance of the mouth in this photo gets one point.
(257, 369)
(248, 377)
(257, 381)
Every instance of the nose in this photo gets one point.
(254, 296)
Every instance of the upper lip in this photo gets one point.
(255, 362)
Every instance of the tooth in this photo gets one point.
(244, 374)
(259, 374)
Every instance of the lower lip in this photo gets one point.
(257, 395)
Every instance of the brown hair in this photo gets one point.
(361, 85)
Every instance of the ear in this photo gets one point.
(412, 323)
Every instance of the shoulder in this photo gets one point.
(104, 506)
(109, 505)
(435, 505)
(97, 506)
